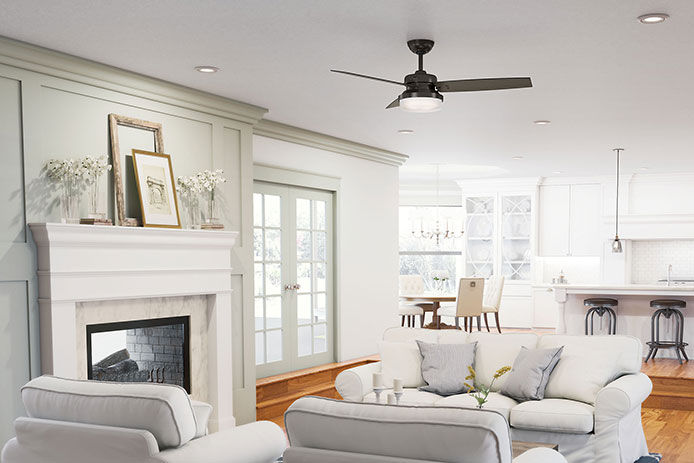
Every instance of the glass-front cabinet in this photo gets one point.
(499, 236)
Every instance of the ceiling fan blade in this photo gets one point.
(394, 104)
(478, 85)
(367, 77)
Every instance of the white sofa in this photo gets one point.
(331, 431)
(72, 421)
(592, 404)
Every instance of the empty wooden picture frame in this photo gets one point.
(120, 154)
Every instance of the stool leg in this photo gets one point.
(587, 315)
(612, 318)
(684, 354)
(402, 322)
(592, 324)
(457, 322)
(650, 352)
(678, 342)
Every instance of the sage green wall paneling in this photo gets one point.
(12, 227)
(231, 163)
(14, 353)
(76, 124)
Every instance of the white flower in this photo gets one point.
(210, 179)
(189, 186)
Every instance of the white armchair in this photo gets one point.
(411, 285)
(329, 431)
(73, 421)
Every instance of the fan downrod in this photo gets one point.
(420, 46)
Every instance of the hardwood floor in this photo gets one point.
(670, 433)
(673, 385)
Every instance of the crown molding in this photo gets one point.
(284, 132)
(53, 63)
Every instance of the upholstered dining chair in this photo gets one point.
(493, 290)
(468, 304)
(409, 285)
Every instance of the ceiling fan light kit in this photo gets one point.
(423, 90)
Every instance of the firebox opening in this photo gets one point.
(153, 350)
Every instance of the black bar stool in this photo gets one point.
(667, 308)
(601, 306)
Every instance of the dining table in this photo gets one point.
(431, 302)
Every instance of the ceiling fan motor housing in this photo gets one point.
(420, 85)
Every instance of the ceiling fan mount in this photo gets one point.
(423, 90)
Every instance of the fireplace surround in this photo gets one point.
(94, 275)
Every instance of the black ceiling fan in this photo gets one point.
(423, 90)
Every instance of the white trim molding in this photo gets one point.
(284, 132)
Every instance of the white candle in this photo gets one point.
(397, 385)
(391, 399)
(378, 379)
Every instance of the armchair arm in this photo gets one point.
(540, 455)
(621, 396)
(353, 384)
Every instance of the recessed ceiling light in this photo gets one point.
(517, 158)
(206, 69)
(406, 131)
(644, 168)
(557, 172)
(542, 122)
(653, 18)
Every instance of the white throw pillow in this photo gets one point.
(401, 360)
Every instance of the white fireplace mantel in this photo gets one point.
(82, 263)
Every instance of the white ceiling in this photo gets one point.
(604, 79)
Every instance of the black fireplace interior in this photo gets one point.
(154, 350)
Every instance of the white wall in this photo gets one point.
(367, 246)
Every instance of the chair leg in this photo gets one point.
(486, 321)
(457, 322)
(402, 323)
(465, 321)
(496, 317)
(479, 323)
(421, 321)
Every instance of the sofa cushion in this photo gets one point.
(399, 334)
(409, 397)
(495, 351)
(530, 374)
(164, 410)
(401, 360)
(445, 366)
(588, 363)
(556, 415)
(452, 337)
(495, 401)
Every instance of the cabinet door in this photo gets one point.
(585, 220)
(544, 308)
(554, 220)
(515, 312)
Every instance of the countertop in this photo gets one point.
(681, 290)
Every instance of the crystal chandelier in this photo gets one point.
(436, 233)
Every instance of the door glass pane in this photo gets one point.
(274, 345)
(304, 341)
(320, 277)
(516, 246)
(479, 258)
(303, 213)
(319, 340)
(259, 348)
(319, 221)
(303, 276)
(273, 279)
(258, 282)
(273, 243)
(303, 245)
(257, 210)
(272, 211)
(319, 308)
(303, 309)
(258, 244)
(321, 245)
(259, 313)
(273, 312)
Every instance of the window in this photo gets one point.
(422, 256)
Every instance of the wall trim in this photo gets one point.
(53, 63)
(284, 132)
(300, 178)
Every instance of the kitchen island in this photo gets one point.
(633, 312)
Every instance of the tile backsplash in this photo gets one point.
(650, 259)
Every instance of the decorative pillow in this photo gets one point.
(401, 360)
(530, 373)
(445, 366)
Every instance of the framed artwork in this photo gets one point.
(128, 133)
(155, 185)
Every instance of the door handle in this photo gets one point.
(293, 287)
(296, 286)
(288, 287)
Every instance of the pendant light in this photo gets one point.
(617, 244)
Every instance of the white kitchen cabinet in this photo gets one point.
(544, 308)
(569, 220)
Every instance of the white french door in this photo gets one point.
(293, 258)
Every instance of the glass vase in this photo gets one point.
(211, 215)
(93, 193)
(192, 216)
(69, 201)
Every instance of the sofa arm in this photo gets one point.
(353, 384)
(621, 396)
(540, 455)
